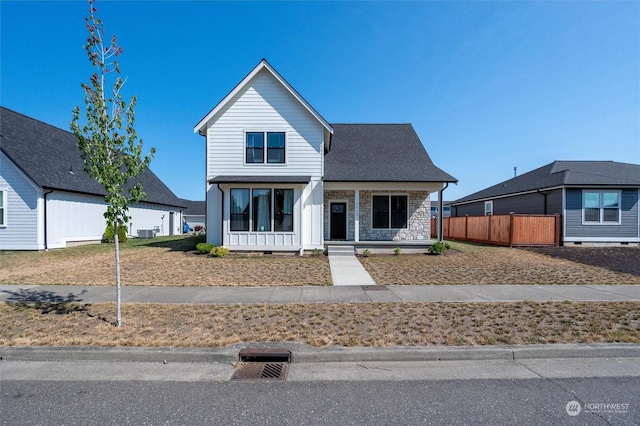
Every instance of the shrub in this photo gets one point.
(397, 250)
(219, 252)
(204, 248)
(365, 253)
(199, 238)
(316, 252)
(197, 228)
(438, 248)
(109, 234)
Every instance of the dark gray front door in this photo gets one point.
(338, 221)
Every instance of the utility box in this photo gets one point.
(146, 233)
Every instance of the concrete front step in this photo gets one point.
(341, 250)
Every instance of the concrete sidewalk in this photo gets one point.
(311, 294)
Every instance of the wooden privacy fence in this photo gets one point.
(505, 230)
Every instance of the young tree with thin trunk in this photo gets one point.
(108, 142)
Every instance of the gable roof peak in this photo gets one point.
(262, 65)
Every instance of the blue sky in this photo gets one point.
(488, 85)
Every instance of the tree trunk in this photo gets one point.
(118, 310)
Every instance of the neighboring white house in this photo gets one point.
(48, 201)
(281, 178)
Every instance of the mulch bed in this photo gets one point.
(618, 259)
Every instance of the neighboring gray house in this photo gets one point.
(194, 214)
(598, 200)
(281, 178)
(48, 201)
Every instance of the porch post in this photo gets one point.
(356, 215)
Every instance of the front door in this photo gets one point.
(338, 221)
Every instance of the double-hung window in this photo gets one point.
(261, 210)
(389, 211)
(601, 207)
(255, 151)
(488, 208)
(3, 207)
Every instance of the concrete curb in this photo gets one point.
(302, 353)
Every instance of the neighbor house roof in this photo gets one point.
(563, 173)
(51, 158)
(194, 208)
(379, 153)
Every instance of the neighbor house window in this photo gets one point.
(239, 209)
(255, 147)
(3, 207)
(601, 207)
(488, 208)
(390, 211)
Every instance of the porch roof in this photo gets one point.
(380, 153)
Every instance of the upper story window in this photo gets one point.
(275, 149)
(601, 207)
(390, 211)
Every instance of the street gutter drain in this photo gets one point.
(263, 363)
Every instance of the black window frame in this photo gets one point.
(387, 211)
(271, 149)
(279, 211)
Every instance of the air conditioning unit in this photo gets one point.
(146, 233)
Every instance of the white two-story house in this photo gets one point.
(281, 178)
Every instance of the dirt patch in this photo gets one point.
(479, 264)
(370, 324)
(620, 259)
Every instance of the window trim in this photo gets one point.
(601, 208)
(265, 148)
(488, 212)
(389, 195)
(3, 214)
(272, 213)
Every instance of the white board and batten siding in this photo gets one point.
(264, 105)
(23, 198)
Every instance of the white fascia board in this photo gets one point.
(384, 186)
(262, 65)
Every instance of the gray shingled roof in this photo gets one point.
(194, 208)
(51, 158)
(379, 153)
(563, 173)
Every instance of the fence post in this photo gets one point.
(489, 228)
(511, 229)
(466, 227)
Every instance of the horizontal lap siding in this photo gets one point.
(628, 228)
(21, 232)
(264, 105)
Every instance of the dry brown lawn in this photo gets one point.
(406, 324)
(477, 264)
(171, 262)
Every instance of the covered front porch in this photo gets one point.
(380, 216)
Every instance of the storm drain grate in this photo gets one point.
(263, 363)
(262, 370)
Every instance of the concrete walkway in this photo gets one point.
(346, 269)
(309, 294)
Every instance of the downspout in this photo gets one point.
(221, 215)
(544, 194)
(44, 195)
(441, 211)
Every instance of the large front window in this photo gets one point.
(255, 147)
(390, 211)
(261, 210)
(601, 207)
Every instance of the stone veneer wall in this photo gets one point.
(419, 210)
(419, 227)
(349, 197)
